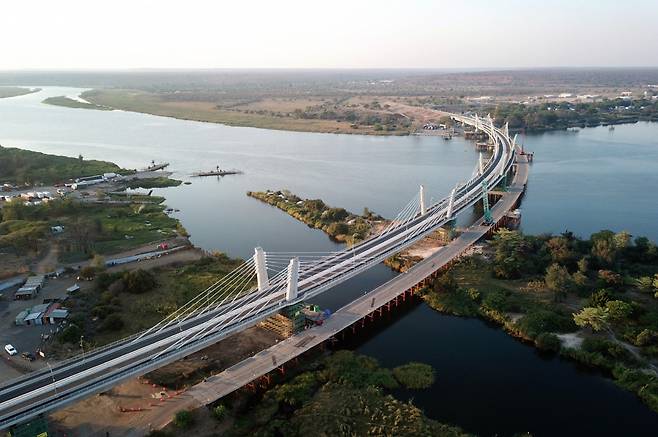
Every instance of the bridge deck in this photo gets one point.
(268, 360)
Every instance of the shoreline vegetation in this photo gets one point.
(368, 115)
(7, 92)
(343, 393)
(594, 300)
(566, 115)
(21, 167)
(72, 103)
(77, 225)
(276, 115)
(341, 225)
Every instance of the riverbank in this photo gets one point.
(594, 301)
(68, 102)
(275, 114)
(10, 91)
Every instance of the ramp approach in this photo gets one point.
(257, 289)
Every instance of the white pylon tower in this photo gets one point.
(423, 206)
(481, 163)
(261, 269)
(293, 278)
(451, 204)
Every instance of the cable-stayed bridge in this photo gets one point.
(259, 288)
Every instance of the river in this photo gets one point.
(487, 382)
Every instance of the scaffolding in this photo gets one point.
(287, 322)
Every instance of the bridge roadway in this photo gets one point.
(98, 371)
(269, 360)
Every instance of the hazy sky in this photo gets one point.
(336, 33)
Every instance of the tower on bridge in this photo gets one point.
(423, 205)
(488, 218)
(293, 278)
(261, 269)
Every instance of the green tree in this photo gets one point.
(558, 280)
(184, 419)
(559, 249)
(594, 317)
(509, 247)
(618, 311)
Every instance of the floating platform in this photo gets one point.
(216, 173)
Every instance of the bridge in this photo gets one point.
(269, 282)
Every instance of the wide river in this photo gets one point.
(487, 382)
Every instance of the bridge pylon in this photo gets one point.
(481, 163)
(488, 218)
(261, 269)
(293, 279)
(423, 207)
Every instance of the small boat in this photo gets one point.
(217, 172)
(154, 166)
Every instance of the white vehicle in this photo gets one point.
(11, 350)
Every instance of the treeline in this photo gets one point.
(539, 288)
(339, 223)
(19, 166)
(562, 115)
(342, 394)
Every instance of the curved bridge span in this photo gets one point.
(235, 302)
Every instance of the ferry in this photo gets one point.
(216, 172)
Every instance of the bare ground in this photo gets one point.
(134, 407)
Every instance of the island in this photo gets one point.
(73, 103)
(6, 91)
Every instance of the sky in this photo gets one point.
(128, 34)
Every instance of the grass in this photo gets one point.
(208, 111)
(72, 103)
(11, 91)
(176, 285)
(18, 166)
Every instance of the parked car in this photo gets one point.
(11, 350)
(28, 356)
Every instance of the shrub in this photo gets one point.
(70, 334)
(139, 281)
(184, 419)
(414, 375)
(548, 341)
(539, 321)
(219, 412)
(113, 322)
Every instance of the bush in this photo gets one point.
(113, 322)
(539, 321)
(70, 334)
(184, 419)
(139, 281)
(414, 375)
(219, 412)
(548, 342)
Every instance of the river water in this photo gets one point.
(487, 382)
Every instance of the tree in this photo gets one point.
(594, 317)
(583, 265)
(622, 240)
(618, 310)
(509, 254)
(558, 280)
(184, 419)
(599, 298)
(604, 249)
(139, 281)
(559, 249)
(219, 412)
